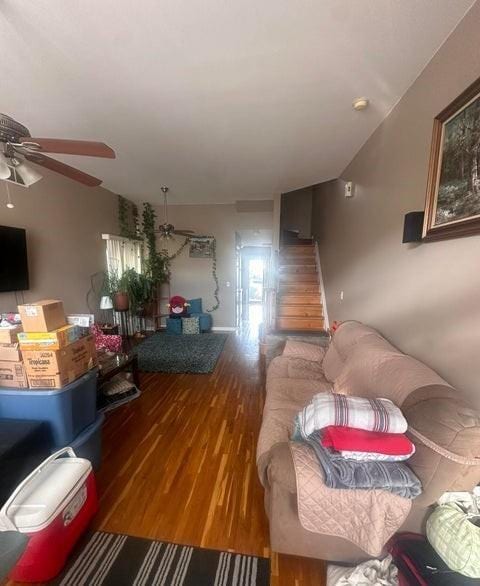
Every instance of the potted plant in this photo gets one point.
(139, 289)
(116, 288)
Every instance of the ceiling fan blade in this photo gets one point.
(184, 232)
(68, 147)
(63, 169)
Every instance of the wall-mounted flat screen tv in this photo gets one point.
(13, 259)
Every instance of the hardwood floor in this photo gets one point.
(179, 463)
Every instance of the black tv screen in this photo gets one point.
(13, 259)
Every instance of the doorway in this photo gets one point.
(251, 266)
(255, 284)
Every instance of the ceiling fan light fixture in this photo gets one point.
(27, 174)
(5, 171)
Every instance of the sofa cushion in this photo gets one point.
(452, 424)
(298, 368)
(373, 370)
(278, 368)
(332, 363)
(293, 394)
(350, 333)
(296, 349)
(195, 305)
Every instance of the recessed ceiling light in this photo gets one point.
(360, 104)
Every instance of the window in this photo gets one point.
(123, 254)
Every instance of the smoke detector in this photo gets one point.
(360, 104)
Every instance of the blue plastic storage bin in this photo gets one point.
(88, 444)
(67, 411)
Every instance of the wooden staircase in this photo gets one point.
(299, 306)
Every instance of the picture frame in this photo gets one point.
(202, 246)
(452, 205)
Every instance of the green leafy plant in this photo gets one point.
(157, 264)
(139, 288)
(128, 219)
(111, 284)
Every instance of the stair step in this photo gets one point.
(298, 269)
(298, 288)
(296, 241)
(300, 250)
(299, 310)
(298, 277)
(305, 249)
(289, 261)
(300, 323)
(299, 299)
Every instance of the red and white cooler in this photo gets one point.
(53, 506)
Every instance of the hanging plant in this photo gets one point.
(136, 221)
(214, 268)
(215, 278)
(123, 217)
(128, 215)
(157, 265)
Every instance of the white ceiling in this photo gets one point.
(218, 99)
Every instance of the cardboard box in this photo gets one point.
(57, 368)
(10, 352)
(83, 320)
(9, 335)
(13, 375)
(49, 340)
(42, 316)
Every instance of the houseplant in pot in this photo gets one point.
(116, 288)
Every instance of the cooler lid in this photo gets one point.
(39, 501)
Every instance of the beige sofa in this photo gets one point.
(359, 361)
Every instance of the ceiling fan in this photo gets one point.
(17, 144)
(167, 230)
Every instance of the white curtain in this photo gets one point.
(123, 254)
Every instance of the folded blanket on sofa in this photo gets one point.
(327, 409)
(350, 440)
(341, 473)
(367, 518)
(371, 456)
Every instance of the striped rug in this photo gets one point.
(121, 560)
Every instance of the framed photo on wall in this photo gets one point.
(452, 206)
(201, 246)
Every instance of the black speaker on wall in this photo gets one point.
(413, 227)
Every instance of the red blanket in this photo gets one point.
(357, 440)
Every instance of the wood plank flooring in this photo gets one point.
(179, 463)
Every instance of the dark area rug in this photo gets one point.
(196, 353)
(120, 560)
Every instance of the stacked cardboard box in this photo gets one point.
(54, 353)
(12, 371)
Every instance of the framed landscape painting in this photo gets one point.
(452, 205)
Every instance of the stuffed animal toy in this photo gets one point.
(178, 306)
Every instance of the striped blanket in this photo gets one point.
(342, 473)
(334, 409)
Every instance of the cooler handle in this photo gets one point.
(4, 518)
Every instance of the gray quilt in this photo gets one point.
(340, 472)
